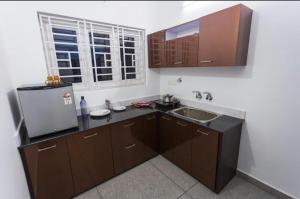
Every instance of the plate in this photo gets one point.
(119, 108)
(100, 112)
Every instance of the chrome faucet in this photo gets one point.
(208, 96)
(198, 95)
(107, 103)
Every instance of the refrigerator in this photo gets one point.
(47, 109)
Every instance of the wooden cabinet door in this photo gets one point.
(170, 52)
(146, 137)
(190, 51)
(166, 132)
(218, 35)
(182, 136)
(48, 166)
(91, 158)
(123, 145)
(156, 49)
(204, 156)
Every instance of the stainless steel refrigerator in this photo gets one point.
(47, 109)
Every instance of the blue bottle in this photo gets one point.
(83, 107)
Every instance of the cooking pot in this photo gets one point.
(167, 98)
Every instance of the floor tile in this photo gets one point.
(177, 175)
(91, 194)
(201, 192)
(142, 182)
(185, 196)
(236, 189)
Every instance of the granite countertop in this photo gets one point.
(220, 124)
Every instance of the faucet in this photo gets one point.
(107, 103)
(208, 96)
(198, 95)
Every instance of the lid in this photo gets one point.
(41, 86)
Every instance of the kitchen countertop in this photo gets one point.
(220, 124)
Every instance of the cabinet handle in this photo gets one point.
(206, 61)
(166, 118)
(47, 148)
(150, 118)
(129, 125)
(178, 62)
(158, 63)
(89, 136)
(181, 124)
(202, 132)
(130, 146)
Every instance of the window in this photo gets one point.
(93, 54)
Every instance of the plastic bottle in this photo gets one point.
(83, 107)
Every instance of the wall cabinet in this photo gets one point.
(156, 49)
(182, 52)
(224, 37)
(49, 170)
(91, 158)
(218, 39)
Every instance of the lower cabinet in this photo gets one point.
(204, 156)
(133, 142)
(48, 169)
(91, 158)
(175, 141)
(209, 156)
(64, 167)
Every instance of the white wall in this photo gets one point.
(22, 56)
(267, 88)
(12, 177)
(23, 43)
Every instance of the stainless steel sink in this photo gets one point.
(195, 114)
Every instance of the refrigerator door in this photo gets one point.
(48, 110)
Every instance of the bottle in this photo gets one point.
(83, 107)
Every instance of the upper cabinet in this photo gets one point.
(224, 37)
(218, 39)
(156, 49)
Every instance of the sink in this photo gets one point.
(195, 114)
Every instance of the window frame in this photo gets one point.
(84, 28)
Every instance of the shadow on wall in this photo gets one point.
(246, 153)
(13, 102)
(225, 72)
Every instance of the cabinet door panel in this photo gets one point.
(204, 156)
(146, 138)
(166, 137)
(218, 37)
(91, 158)
(183, 134)
(156, 49)
(170, 53)
(123, 145)
(49, 169)
(190, 50)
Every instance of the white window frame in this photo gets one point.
(83, 28)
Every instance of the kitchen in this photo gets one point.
(249, 94)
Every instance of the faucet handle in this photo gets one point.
(208, 96)
(198, 94)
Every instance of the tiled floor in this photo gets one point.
(160, 179)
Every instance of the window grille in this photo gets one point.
(93, 54)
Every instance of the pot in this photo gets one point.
(167, 98)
